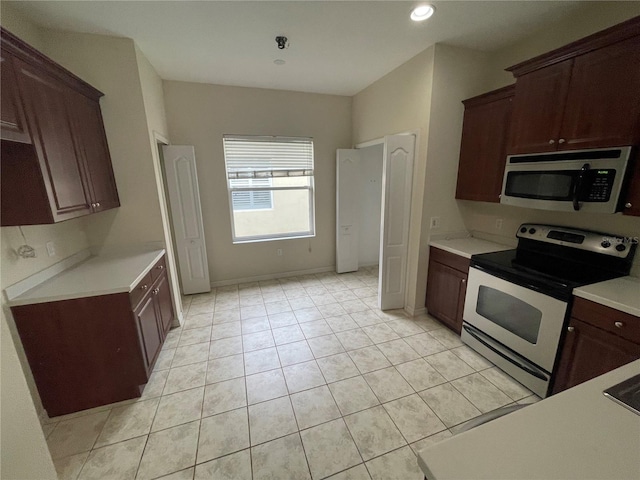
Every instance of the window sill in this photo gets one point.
(272, 239)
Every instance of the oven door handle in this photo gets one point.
(518, 362)
(577, 188)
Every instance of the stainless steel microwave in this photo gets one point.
(585, 180)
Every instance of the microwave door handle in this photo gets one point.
(577, 188)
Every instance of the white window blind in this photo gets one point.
(251, 199)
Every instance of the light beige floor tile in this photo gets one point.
(374, 432)
(271, 419)
(47, 428)
(169, 450)
(301, 303)
(414, 418)
(449, 365)
(236, 466)
(504, 382)
(224, 396)
(228, 315)
(303, 376)
(76, 435)
(337, 367)
(405, 327)
(449, 404)
(529, 400)
(261, 360)
(255, 324)
(251, 300)
(363, 292)
(471, 358)
(420, 374)
(369, 359)
(307, 314)
(68, 468)
(178, 408)
(282, 319)
(344, 295)
(283, 458)
(325, 345)
(155, 385)
(128, 421)
(229, 303)
(428, 323)
(359, 472)
(252, 312)
(195, 335)
(118, 462)
(165, 357)
(446, 337)
(197, 321)
(329, 449)
(332, 310)
(353, 306)
(225, 347)
(315, 406)
(223, 434)
(398, 351)
(186, 474)
(400, 463)
(354, 339)
(276, 307)
(425, 344)
(225, 368)
(185, 378)
(430, 440)
(317, 290)
(366, 318)
(190, 354)
(225, 330)
(273, 296)
(289, 334)
(172, 339)
(481, 392)
(341, 323)
(295, 293)
(201, 308)
(293, 353)
(265, 386)
(316, 328)
(353, 395)
(380, 333)
(257, 341)
(388, 384)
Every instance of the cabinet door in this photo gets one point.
(589, 352)
(538, 108)
(13, 125)
(632, 200)
(165, 305)
(446, 288)
(603, 103)
(51, 127)
(92, 143)
(483, 150)
(148, 325)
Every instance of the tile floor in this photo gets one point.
(292, 379)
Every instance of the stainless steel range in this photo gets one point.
(518, 301)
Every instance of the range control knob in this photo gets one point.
(532, 231)
(523, 230)
(605, 244)
(621, 247)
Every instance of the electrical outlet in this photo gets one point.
(498, 224)
(279, 252)
(51, 249)
(435, 222)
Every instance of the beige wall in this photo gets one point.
(200, 114)
(400, 102)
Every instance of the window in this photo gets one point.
(270, 182)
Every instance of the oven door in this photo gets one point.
(525, 321)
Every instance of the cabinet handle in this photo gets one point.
(93, 205)
(156, 291)
(464, 280)
(98, 204)
(562, 140)
(570, 329)
(144, 287)
(628, 205)
(552, 141)
(618, 324)
(160, 267)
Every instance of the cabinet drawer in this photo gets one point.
(619, 323)
(449, 259)
(158, 269)
(141, 289)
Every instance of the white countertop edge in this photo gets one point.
(457, 247)
(16, 300)
(607, 302)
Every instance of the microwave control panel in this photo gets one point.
(598, 185)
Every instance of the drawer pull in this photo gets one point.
(156, 291)
(160, 267)
(618, 324)
(144, 287)
(570, 329)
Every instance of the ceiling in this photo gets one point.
(336, 47)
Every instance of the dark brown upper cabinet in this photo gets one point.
(485, 131)
(583, 95)
(55, 159)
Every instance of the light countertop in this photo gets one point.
(465, 247)
(620, 293)
(577, 434)
(116, 272)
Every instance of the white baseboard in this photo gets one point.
(271, 276)
(414, 311)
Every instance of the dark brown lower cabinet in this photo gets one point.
(602, 341)
(446, 287)
(92, 351)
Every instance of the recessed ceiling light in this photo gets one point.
(279, 61)
(422, 12)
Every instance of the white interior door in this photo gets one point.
(347, 209)
(186, 215)
(397, 176)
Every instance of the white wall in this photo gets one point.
(200, 114)
(370, 205)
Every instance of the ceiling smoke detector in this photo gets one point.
(282, 42)
(422, 12)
